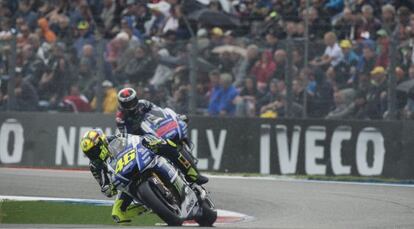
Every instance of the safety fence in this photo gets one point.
(242, 145)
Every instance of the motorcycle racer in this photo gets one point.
(131, 112)
(95, 145)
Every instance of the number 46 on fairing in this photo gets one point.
(125, 160)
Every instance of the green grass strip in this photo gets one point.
(44, 212)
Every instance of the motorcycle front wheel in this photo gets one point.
(163, 205)
(208, 214)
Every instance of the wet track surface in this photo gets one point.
(273, 203)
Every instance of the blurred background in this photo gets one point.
(332, 59)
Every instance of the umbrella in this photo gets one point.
(225, 4)
(214, 18)
(406, 86)
(204, 66)
(230, 48)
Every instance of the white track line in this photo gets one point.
(298, 180)
(237, 177)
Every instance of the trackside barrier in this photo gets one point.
(308, 147)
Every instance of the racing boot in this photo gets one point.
(189, 169)
(168, 149)
(123, 211)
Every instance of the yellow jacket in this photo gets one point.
(110, 101)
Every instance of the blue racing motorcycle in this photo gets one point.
(154, 181)
(167, 124)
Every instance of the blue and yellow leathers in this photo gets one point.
(122, 210)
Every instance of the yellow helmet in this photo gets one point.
(95, 145)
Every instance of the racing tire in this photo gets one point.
(158, 205)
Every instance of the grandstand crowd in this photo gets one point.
(243, 50)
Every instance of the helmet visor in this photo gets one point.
(94, 152)
(100, 151)
(130, 105)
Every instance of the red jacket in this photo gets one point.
(77, 103)
(264, 70)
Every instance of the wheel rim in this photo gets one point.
(171, 204)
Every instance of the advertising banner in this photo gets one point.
(243, 145)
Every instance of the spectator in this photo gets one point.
(25, 12)
(23, 36)
(160, 12)
(62, 67)
(367, 63)
(119, 51)
(334, 6)
(358, 109)
(63, 31)
(383, 47)
(214, 77)
(246, 101)
(317, 27)
(110, 99)
(48, 34)
(263, 69)
(345, 25)
(277, 109)
(277, 89)
(222, 97)
(340, 107)
(172, 22)
(163, 72)
(297, 59)
(280, 61)
(84, 37)
(388, 17)
(50, 89)
(245, 64)
(32, 66)
(377, 93)
(348, 64)
(272, 40)
(298, 91)
(142, 17)
(139, 69)
(216, 37)
(179, 100)
(332, 55)
(25, 94)
(369, 25)
(75, 101)
(108, 14)
(321, 102)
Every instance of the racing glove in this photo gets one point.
(108, 190)
(152, 142)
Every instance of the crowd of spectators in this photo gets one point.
(67, 50)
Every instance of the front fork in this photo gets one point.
(186, 148)
(168, 174)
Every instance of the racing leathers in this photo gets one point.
(129, 122)
(122, 210)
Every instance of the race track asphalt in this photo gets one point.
(274, 203)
